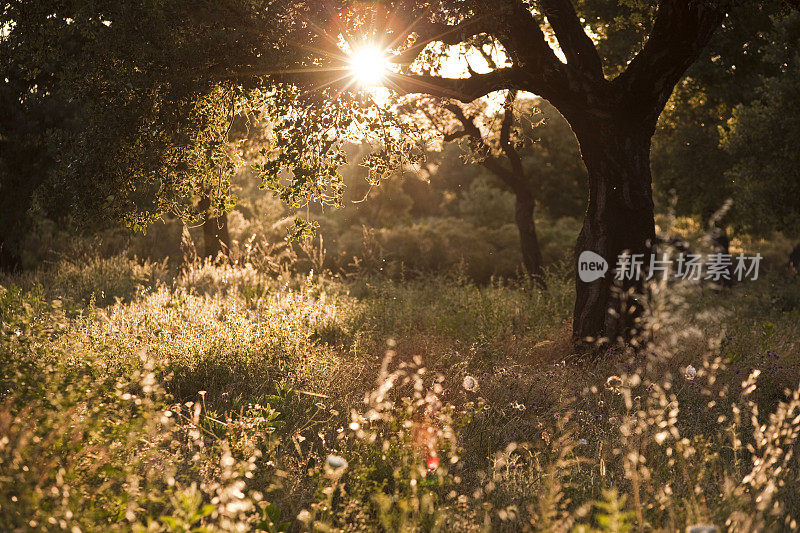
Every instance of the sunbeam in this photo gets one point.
(369, 65)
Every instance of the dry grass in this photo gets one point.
(266, 377)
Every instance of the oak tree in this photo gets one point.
(612, 108)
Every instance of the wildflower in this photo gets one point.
(691, 372)
(613, 382)
(336, 462)
(432, 462)
(470, 383)
(702, 528)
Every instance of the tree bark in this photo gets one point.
(216, 238)
(619, 218)
(529, 241)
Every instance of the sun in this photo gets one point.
(369, 65)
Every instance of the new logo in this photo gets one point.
(591, 266)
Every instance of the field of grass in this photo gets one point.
(217, 398)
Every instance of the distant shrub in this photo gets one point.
(430, 246)
(479, 251)
(486, 206)
(98, 279)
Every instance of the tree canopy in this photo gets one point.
(119, 110)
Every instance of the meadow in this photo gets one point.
(141, 396)
(295, 266)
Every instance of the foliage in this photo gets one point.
(730, 73)
(763, 171)
(115, 112)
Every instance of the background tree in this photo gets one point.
(613, 119)
(120, 111)
(504, 161)
(516, 146)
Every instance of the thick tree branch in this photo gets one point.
(681, 30)
(576, 45)
(514, 26)
(524, 41)
(463, 89)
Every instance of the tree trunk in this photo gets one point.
(619, 218)
(216, 238)
(18, 183)
(529, 241)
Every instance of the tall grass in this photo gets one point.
(227, 398)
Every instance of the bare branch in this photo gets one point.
(505, 134)
(429, 32)
(513, 179)
(449, 137)
(487, 56)
(576, 45)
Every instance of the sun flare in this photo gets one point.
(369, 65)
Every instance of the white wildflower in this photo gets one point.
(336, 462)
(470, 383)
